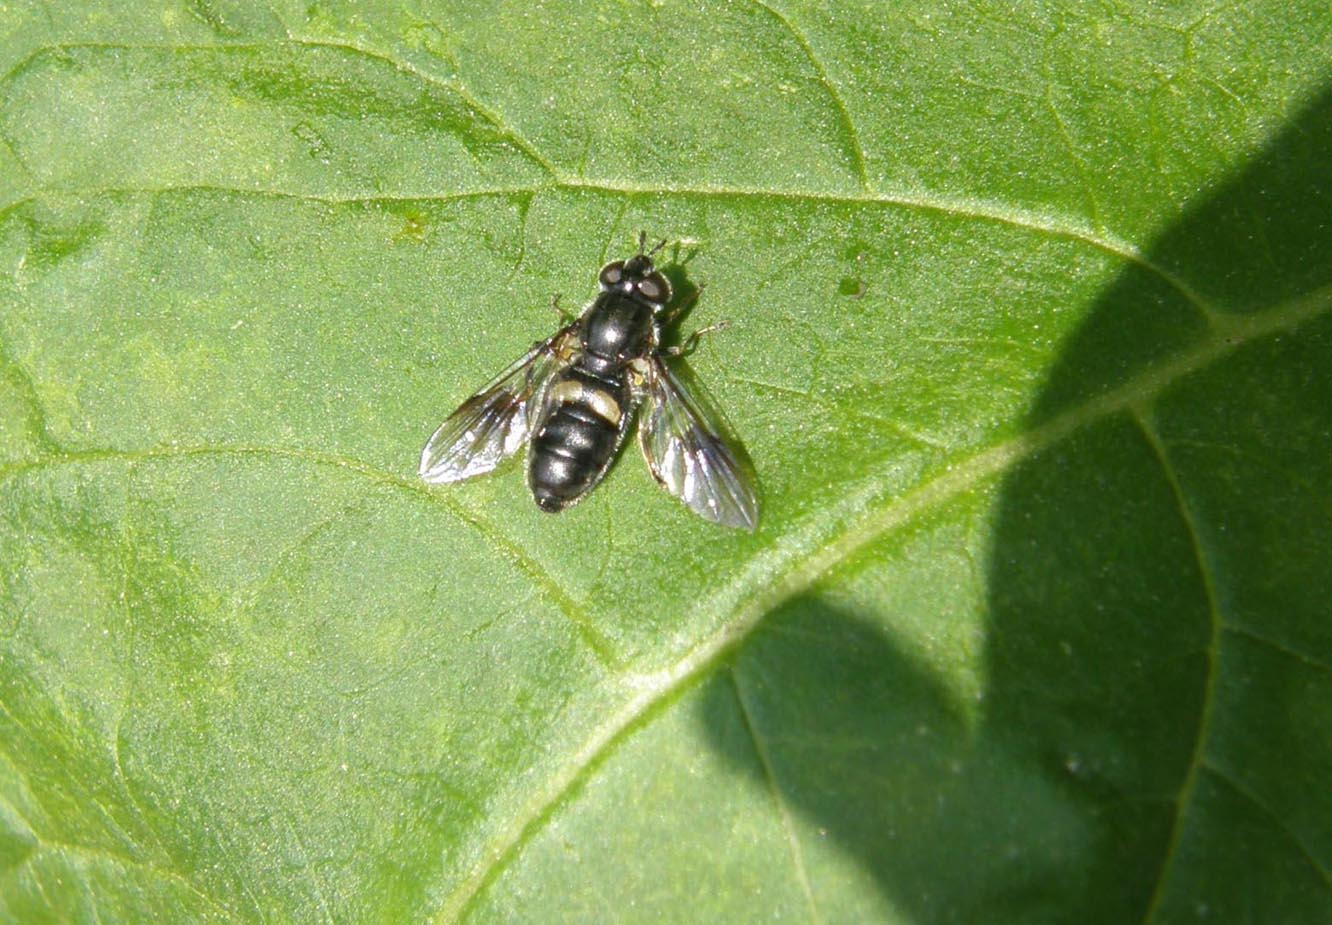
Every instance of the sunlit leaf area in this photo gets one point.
(1030, 347)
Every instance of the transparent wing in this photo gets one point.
(493, 423)
(683, 443)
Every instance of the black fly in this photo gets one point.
(571, 399)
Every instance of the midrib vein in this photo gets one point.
(781, 575)
(962, 207)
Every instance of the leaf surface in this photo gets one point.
(1030, 346)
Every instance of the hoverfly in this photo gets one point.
(571, 399)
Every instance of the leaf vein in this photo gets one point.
(89, 854)
(117, 737)
(311, 871)
(778, 800)
(38, 428)
(455, 86)
(248, 594)
(965, 208)
(1244, 632)
(1197, 757)
(854, 146)
(1233, 783)
(1079, 163)
(833, 537)
(481, 110)
(578, 617)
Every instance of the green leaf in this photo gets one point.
(1030, 344)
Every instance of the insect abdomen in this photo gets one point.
(575, 441)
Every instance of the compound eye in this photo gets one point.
(654, 288)
(612, 273)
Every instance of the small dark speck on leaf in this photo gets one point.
(851, 287)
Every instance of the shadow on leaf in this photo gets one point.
(1085, 786)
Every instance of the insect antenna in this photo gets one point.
(642, 245)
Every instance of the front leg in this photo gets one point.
(678, 312)
(692, 340)
(565, 317)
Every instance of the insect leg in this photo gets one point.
(670, 317)
(555, 306)
(692, 340)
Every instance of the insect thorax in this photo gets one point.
(619, 328)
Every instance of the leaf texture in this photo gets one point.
(1030, 345)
